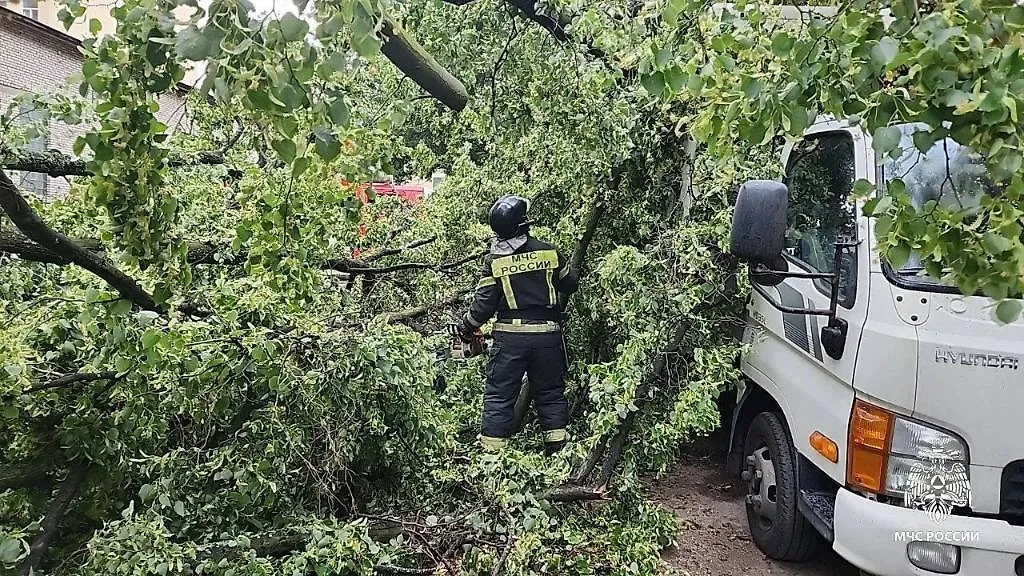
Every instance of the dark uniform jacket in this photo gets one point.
(523, 285)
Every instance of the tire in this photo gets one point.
(776, 525)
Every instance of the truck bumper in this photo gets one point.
(874, 537)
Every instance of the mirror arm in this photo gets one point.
(762, 269)
(789, 309)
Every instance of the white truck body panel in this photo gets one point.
(938, 357)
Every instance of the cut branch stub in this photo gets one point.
(422, 68)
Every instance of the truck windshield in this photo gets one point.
(951, 175)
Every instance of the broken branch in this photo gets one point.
(58, 508)
(33, 227)
(422, 68)
(69, 379)
(55, 163)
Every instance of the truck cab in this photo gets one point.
(881, 411)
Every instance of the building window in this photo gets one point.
(30, 8)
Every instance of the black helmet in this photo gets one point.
(508, 217)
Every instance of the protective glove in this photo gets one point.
(462, 330)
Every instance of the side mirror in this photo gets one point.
(759, 237)
(759, 222)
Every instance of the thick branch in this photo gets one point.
(207, 253)
(72, 379)
(410, 313)
(58, 508)
(394, 251)
(26, 249)
(272, 544)
(575, 494)
(356, 267)
(28, 474)
(30, 224)
(55, 163)
(579, 254)
(422, 68)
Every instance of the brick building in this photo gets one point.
(36, 57)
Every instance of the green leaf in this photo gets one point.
(10, 550)
(782, 45)
(883, 206)
(885, 51)
(331, 27)
(260, 99)
(66, 18)
(300, 166)
(333, 64)
(146, 492)
(150, 338)
(1008, 311)
(367, 45)
(192, 44)
(293, 28)
(924, 139)
(95, 26)
(995, 242)
(179, 508)
(886, 139)
(13, 370)
(898, 255)
(285, 150)
(654, 84)
(676, 78)
(328, 149)
(798, 120)
(121, 307)
(869, 206)
(339, 112)
(863, 188)
(670, 15)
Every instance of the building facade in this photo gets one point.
(37, 56)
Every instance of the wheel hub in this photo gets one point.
(762, 491)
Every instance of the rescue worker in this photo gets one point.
(524, 280)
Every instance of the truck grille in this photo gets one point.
(1012, 505)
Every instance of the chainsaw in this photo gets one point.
(460, 350)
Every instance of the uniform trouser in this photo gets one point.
(542, 357)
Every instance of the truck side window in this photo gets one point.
(820, 176)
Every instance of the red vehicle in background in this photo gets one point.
(411, 194)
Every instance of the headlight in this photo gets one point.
(916, 449)
(891, 454)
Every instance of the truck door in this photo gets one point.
(814, 389)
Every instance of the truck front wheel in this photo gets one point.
(776, 525)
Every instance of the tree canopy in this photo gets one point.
(198, 373)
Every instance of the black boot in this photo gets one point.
(551, 448)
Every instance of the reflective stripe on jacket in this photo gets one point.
(524, 284)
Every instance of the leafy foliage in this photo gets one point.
(285, 410)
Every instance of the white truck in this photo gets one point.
(883, 413)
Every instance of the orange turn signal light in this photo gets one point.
(870, 436)
(825, 446)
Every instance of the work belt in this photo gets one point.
(546, 314)
(527, 327)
